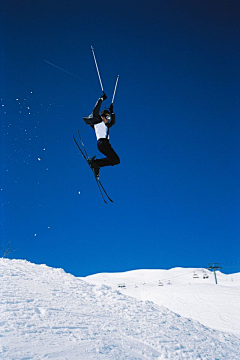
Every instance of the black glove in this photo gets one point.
(111, 108)
(104, 96)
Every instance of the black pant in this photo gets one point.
(106, 149)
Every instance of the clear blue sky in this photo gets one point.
(176, 190)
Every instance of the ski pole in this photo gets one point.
(115, 89)
(97, 68)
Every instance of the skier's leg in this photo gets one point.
(106, 149)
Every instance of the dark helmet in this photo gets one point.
(105, 113)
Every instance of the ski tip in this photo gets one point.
(92, 47)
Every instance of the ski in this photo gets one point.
(86, 158)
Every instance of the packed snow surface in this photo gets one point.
(191, 293)
(48, 314)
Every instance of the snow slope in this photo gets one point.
(191, 293)
(48, 314)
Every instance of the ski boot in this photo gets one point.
(91, 160)
(94, 166)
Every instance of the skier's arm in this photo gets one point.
(113, 120)
(97, 107)
(94, 117)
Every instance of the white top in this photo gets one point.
(101, 130)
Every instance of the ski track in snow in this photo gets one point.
(49, 314)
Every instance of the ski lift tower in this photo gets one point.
(214, 267)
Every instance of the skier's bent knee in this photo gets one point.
(117, 161)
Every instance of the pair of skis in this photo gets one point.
(86, 158)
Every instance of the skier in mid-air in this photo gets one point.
(101, 124)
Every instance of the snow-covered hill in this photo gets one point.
(191, 293)
(48, 314)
